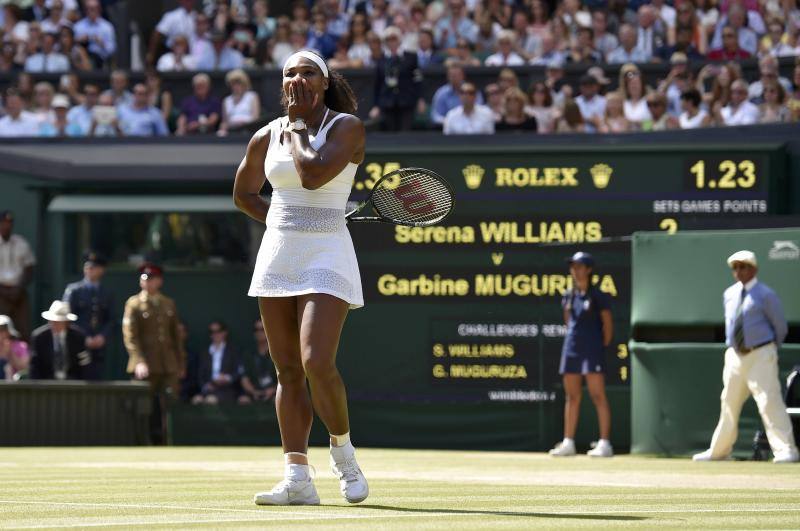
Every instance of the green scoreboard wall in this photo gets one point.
(465, 317)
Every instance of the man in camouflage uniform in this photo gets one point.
(150, 329)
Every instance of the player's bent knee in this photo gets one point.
(319, 366)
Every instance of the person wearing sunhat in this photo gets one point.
(587, 314)
(16, 272)
(754, 329)
(14, 357)
(150, 330)
(94, 305)
(58, 349)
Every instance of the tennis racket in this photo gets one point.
(415, 197)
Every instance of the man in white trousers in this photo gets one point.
(754, 329)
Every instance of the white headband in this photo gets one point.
(310, 56)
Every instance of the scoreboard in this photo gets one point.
(469, 311)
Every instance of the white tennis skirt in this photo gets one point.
(307, 250)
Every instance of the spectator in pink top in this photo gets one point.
(13, 352)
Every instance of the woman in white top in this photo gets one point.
(242, 106)
(306, 276)
(693, 116)
(178, 59)
(633, 89)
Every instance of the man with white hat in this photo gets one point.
(58, 349)
(754, 329)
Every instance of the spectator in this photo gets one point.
(161, 98)
(676, 82)
(571, 120)
(632, 87)
(683, 45)
(526, 43)
(650, 33)
(463, 53)
(7, 62)
(375, 48)
(507, 79)
(744, 36)
(47, 60)
(774, 43)
(220, 56)
(301, 14)
(539, 19)
(80, 116)
(692, 117)
(378, 12)
(15, 30)
(469, 118)
(97, 34)
(242, 106)
(16, 123)
(105, 118)
(426, 53)
(70, 85)
(200, 40)
(708, 16)
(628, 52)
(16, 272)
(219, 369)
(119, 92)
(774, 108)
(61, 126)
(495, 100)
(200, 111)
(318, 37)
(550, 54)
(591, 103)
(178, 59)
(178, 22)
(43, 94)
(730, 50)
(57, 349)
(77, 55)
(794, 99)
(665, 14)
(25, 89)
(34, 43)
(36, 12)
(94, 306)
(739, 111)
(514, 117)
(56, 19)
(339, 60)
(397, 85)
(265, 24)
(487, 35)
(410, 34)
(447, 97)
(660, 119)
(554, 79)
(221, 17)
(688, 20)
(721, 85)
(505, 55)
(768, 73)
(282, 46)
(540, 106)
(456, 24)
(614, 120)
(583, 51)
(259, 381)
(497, 11)
(14, 357)
(358, 51)
(141, 118)
(604, 42)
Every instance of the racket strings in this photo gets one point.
(413, 196)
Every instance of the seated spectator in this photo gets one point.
(259, 381)
(730, 50)
(707, 15)
(775, 42)
(178, 59)
(549, 51)
(8, 64)
(514, 118)
(591, 103)
(243, 38)
(119, 92)
(141, 118)
(200, 111)
(358, 51)
(219, 369)
(463, 53)
(13, 351)
(105, 118)
(70, 85)
(660, 119)
(97, 34)
(447, 97)
(58, 349)
(665, 14)
(650, 31)
(339, 60)
(540, 106)
(683, 44)
(574, 15)
(177, 22)
(242, 107)
(722, 76)
(539, 23)
(281, 43)
(554, 80)
(221, 56)
(745, 34)
(35, 12)
(495, 97)
(319, 39)
(688, 20)
(43, 94)
(469, 118)
(768, 73)
(614, 120)
(265, 24)
(627, 52)
(56, 18)
(676, 82)
(487, 35)
(34, 43)
(604, 41)
(634, 91)
(456, 24)
(161, 98)
(739, 111)
(504, 53)
(571, 120)
(774, 109)
(583, 51)
(25, 89)
(47, 59)
(692, 117)
(200, 40)
(77, 55)
(61, 126)
(17, 122)
(426, 51)
(15, 29)
(526, 42)
(80, 116)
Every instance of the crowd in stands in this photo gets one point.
(701, 44)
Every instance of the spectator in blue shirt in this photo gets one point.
(448, 97)
(319, 38)
(454, 26)
(81, 115)
(754, 329)
(220, 56)
(60, 126)
(201, 111)
(141, 118)
(97, 34)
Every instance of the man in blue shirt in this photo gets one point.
(96, 33)
(448, 97)
(754, 329)
(141, 118)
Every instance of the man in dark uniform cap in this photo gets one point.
(94, 305)
(150, 329)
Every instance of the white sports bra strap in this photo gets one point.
(328, 125)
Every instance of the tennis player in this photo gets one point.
(306, 275)
(587, 314)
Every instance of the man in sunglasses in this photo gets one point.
(754, 329)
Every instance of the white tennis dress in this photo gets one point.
(306, 246)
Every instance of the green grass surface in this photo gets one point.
(213, 488)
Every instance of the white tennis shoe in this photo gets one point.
(601, 449)
(706, 456)
(789, 456)
(289, 492)
(563, 449)
(352, 482)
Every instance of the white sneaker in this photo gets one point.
(563, 449)
(786, 457)
(706, 456)
(601, 449)
(289, 492)
(352, 482)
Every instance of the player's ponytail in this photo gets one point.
(339, 95)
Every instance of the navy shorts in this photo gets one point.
(582, 364)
